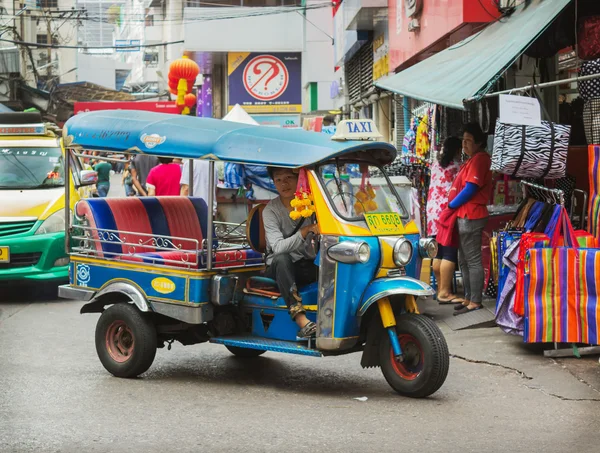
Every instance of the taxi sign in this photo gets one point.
(384, 224)
(22, 129)
(356, 130)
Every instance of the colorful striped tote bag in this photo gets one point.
(589, 308)
(553, 289)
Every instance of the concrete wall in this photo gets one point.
(98, 69)
(317, 58)
(282, 32)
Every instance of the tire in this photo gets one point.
(246, 353)
(126, 341)
(426, 357)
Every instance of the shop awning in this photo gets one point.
(470, 68)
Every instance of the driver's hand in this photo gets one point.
(313, 228)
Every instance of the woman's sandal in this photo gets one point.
(453, 301)
(309, 330)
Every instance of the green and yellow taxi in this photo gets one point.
(32, 199)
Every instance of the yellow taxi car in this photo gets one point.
(32, 199)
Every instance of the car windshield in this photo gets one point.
(31, 168)
(358, 189)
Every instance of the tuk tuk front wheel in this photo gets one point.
(426, 360)
(125, 341)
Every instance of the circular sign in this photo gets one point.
(265, 77)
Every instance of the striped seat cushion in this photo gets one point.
(180, 217)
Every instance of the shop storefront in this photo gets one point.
(542, 173)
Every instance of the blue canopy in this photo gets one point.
(181, 136)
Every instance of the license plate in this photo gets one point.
(4, 254)
(384, 224)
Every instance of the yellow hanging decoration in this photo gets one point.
(303, 199)
(366, 200)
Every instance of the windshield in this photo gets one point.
(31, 168)
(358, 189)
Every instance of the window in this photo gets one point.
(99, 31)
(48, 4)
(149, 19)
(41, 39)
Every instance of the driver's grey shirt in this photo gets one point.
(278, 229)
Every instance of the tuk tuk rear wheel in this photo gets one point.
(245, 352)
(426, 359)
(126, 341)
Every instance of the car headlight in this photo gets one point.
(428, 247)
(403, 251)
(55, 223)
(350, 252)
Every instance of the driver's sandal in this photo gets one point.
(308, 331)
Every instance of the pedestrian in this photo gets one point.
(201, 181)
(127, 181)
(163, 180)
(140, 166)
(443, 173)
(469, 196)
(103, 169)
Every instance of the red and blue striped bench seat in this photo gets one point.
(139, 226)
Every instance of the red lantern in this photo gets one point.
(184, 68)
(190, 100)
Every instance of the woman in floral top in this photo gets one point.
(443, 173)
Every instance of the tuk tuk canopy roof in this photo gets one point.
(187, 137)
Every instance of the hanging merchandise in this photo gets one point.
(594, 177)
(560, 290)
(506, 318)
(588, 38)
(409, 142)
(591, 120)
(422, 144)
(589, 89)
(531, 151)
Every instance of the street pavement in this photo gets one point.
(500, 396)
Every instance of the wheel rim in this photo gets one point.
(119, 341)
(412, 365)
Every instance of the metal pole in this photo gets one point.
(67, 198)
(211, 200)
(191, 179)
(537, 85)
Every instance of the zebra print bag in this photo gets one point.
(531, 151)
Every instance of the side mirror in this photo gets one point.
(88, 177)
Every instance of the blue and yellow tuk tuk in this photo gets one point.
(161, 269)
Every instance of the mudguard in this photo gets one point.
(104, 296)
(385, 287)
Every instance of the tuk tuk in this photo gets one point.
(160, 269)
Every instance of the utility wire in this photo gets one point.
(59, 46)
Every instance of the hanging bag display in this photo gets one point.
(588, 38)
(552, 289)
(589, 89)
(531, 151)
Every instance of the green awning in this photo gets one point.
(471, 67)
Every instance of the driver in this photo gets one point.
(290, 250)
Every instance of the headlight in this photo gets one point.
(53, 224)
(403, 251)
(428, 247)
(350, 252)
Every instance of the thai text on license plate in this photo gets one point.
(388, 223)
